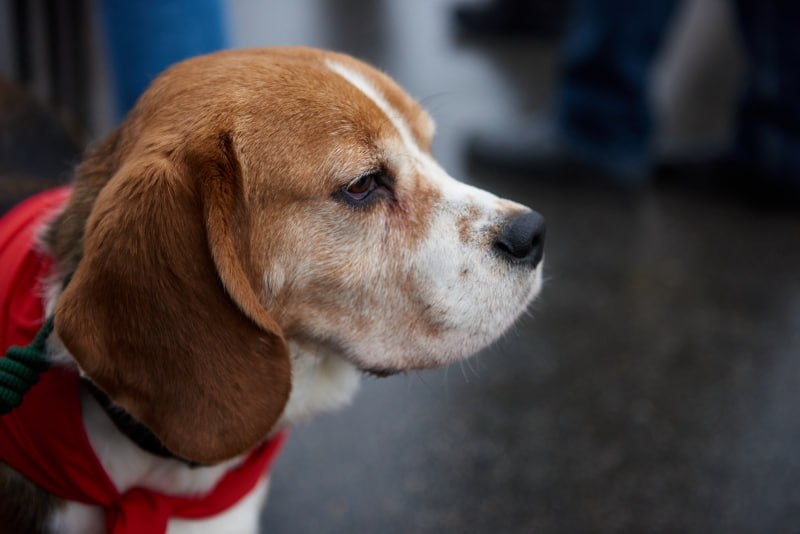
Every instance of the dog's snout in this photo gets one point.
(522, 239)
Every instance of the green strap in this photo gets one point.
(20, 368)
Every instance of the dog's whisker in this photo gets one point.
(463, 371)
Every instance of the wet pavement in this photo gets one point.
(654, 387)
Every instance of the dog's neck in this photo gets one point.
(135, 431)
(322, 383)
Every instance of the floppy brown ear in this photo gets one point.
(162, 315)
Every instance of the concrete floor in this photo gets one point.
(654, 386)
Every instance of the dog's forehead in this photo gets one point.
(297, 117)
(334, 112)
(334, 87)
(262, 80)
(385, 94)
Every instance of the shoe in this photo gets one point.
(724, 175)
(538, 152)
(543, 19)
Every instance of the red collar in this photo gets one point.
(44, 439)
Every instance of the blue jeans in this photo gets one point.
(146, 36)
(603, 112)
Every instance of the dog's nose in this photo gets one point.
(522, 239)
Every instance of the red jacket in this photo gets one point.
(44, 438)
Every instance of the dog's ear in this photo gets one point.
(161, 313)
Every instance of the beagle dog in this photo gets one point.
(265, 226)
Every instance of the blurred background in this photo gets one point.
(655, 385)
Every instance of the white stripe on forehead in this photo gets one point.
(423, 160)
(366, 87)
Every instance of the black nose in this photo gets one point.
(522, 239)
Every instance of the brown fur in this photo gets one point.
(160, 312)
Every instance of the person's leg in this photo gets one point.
(768, 135)
(144, 37)
(603, 124)
(603, 112)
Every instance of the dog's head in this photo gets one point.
(257, 196)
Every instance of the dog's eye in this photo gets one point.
(361, 188)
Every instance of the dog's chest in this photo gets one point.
(320, 383)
